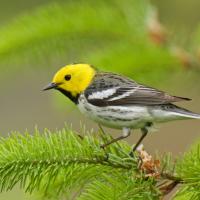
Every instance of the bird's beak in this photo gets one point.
(51, 86)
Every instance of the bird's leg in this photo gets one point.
(144, 133)
(125, 133)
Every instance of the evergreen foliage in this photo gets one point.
(64, 164)
(83, 31)
(189, 169)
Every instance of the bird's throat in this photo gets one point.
(68, 94)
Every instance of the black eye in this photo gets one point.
(67, 77)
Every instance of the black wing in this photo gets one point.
(114, 90)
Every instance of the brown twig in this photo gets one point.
(166, 182)
(167, 187)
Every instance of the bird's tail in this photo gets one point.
(182, 112)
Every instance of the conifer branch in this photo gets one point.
(64, 164)
(39, 161)
(67, 163)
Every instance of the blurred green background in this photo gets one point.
(38, 37)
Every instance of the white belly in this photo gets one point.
(116, 116)
(134, 116)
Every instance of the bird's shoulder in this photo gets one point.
(104, 80)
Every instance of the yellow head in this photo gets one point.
(72, 79)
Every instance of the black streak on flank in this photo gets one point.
(69, 95)
(111, 118)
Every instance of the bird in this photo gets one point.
(116, 101)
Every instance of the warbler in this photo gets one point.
(116, 101)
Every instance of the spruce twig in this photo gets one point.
(63, 163)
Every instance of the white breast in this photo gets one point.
(115, 116)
